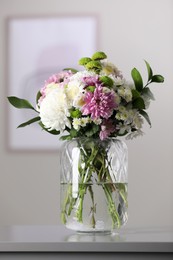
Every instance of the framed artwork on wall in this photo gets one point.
(38, 47)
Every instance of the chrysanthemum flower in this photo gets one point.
(80, 122)
(54, 111)
(74, 92)
(56, 80)
(100, 103)
(107, 128)
(110, 69)
(123, 128)
(91, 80)
(125, 92)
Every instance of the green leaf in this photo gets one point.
(147, 92)
(145, 115)
(138, 103)
(20, 103)
(122, 190)
(121, 186)
(118, 134)
(137, 79)
(72, 70)
(33, 120)
(73, 133)
(53, 132)
(93, 129)
(65, 137)
(107, 81)
(135, 94)
(150, 72)
(157, 79)
(38, 96)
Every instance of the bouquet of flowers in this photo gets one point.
(96, 102)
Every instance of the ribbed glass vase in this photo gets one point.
(94, 182)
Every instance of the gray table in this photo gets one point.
(60, 239)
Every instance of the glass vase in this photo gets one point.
(94, 184)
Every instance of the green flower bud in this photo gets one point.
(99, 56)
(75, 113)
(107, 81)
(93, 65)
(84, 61)
(90, 88)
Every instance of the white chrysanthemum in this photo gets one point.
(122, 109)
(80, 122)
(123, 128)
(132, 113)
(85, 121)
(138, 121)
(74, 93)
(76, 123)
(129, 116)
(75, 88)
(109, 68)
(50, 87)
(125, 92)
(118, 81)
(122, 115)
(54, 110)
(81, 74)
(97, 121)
(125, 114)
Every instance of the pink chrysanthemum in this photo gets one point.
(62, 78)
(107, 127)
(99, 104)
(91, 80)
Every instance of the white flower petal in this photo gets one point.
(54, 110)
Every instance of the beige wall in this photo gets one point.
(129, 31)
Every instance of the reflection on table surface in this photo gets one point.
(62, 234)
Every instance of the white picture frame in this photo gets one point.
(37, 48)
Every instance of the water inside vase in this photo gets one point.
(99, 207)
